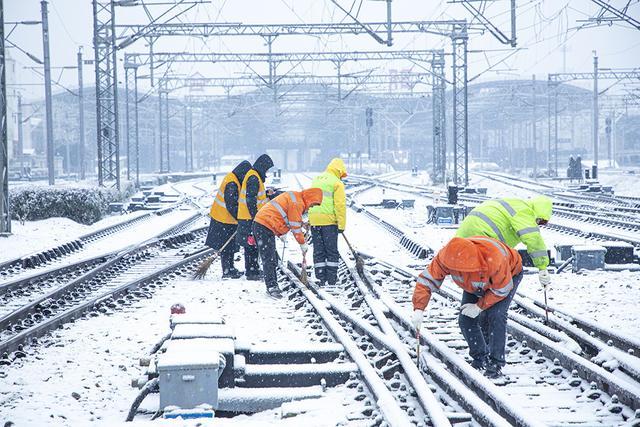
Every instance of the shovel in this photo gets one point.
(358, 258)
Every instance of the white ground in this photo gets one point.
(97, 357)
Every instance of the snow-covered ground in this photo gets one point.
(97, 357)
(83, 376)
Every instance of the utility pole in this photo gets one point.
(20, 133)
(533, 127)
(137, 134)
(595, 109)
(5, 215)
(47, 90)
(369, 116)
(608, 134)
(186, 138)
(81, 115)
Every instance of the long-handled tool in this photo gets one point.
(304, 278)
(284, 246)
(358, 258)
(546, 307)
(418, 348)
(204, 267)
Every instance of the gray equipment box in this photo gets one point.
(564, 251)
(440, 214)
(588, 257)
(618, 252)
(188, 374)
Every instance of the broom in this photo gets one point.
(359, 260)
(204, 267)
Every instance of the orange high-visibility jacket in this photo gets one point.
(479, 265)
(284, 213)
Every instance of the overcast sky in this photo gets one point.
(547, 34)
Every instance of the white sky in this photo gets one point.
(545, 28)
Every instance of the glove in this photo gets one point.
(470, 310)
(304, 248)
(251, 241)
(416, 319)
(545, 278)
(340, 231)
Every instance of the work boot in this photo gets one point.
(492, 370)
(274, 293)
(255, 275)
(479, 364)
(232, 273)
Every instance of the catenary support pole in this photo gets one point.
(534, 131)
(137, 127)
(5, 217)
(81, 148)
(47, 91)
(595, 109)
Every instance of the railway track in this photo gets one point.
(610, 229)
(403, 396)
(606, 361)
(558, 386)
(33, 308)
(59, 255)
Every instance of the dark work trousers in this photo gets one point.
(266, 242)
(251, 264)
(217, 236)
(325, 253)
(486, 335)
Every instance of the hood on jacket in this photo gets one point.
(262, 165)
(241, 170)
(337, 167)
(461, 254)
(310, 196)
(542, 207)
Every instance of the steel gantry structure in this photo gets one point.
(104, 45)
(135, 60)
(110, 37)
(554, 80)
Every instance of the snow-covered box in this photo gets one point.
(588, 257)
(188, 372)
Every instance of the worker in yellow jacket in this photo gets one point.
(224, 219)
(512, 221)
(327, 221)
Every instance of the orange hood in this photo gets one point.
(462, 255)
(311, 196)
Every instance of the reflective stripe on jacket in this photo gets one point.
(285, 212)
(333, 210)
(511, 221)
(243, 209)
(479, 265)
(219, 210)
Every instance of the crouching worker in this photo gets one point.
(489, 273)
(276, 218)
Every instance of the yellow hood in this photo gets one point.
(337, 167)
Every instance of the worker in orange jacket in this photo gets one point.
(277, 218)
(489, 273)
